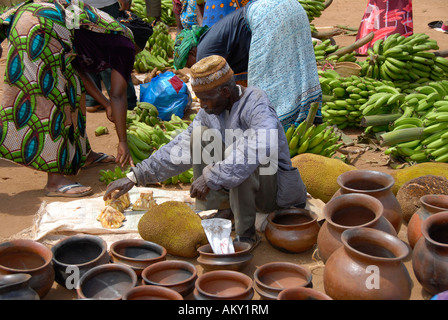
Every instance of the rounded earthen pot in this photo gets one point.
(177, 275)
(430, 204)
(16, 287)
(349, 211)
(368, 267)
(137, 253)
(273, 277)
(430, 255)
(151, 292)
(73, 256)
(223, 285)
(376, 184)
(31, 257)
(107, 282)
(292, 230)
(227, 261)
(302, 293)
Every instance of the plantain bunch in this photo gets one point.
(107, 176)
(350, 96)
(321, 139)
(324, 53)
(167, 15)
(399, 58)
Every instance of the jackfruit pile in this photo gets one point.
(175, 226)
(319, 174)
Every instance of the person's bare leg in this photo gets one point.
(57, 180)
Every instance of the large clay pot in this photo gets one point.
(292, 230)
(368, 267)
(376, 184)
(16, 287)
(346, 212)
(430, 255)
(430, 204)
(31, 257)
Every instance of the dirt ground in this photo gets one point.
(21, 189)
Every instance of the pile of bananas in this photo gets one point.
(158, 51)
(324, 52)
(144, 112)
(321, 139)
(107, 176)
(313, 9)
(350, 96)
(421, 130)
(167, 15)
(400, 58)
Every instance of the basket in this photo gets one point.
(347, 69)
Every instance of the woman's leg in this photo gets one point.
(55, 181)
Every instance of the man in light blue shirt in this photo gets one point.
(237, 148)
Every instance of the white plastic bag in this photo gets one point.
(218, 232)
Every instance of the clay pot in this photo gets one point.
(229, 261)
(152, 293)
(75, 255)
(346, 212)
(107, 282)
(368, 267)
(292, 230)
(430, 204)
(430, 255)
(302, 293)
(271, 278)
(137, 253)
(16, 287)
(376, 184)
(223, 285)
(177, 275)
(31, 257)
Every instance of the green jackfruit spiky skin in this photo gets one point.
(174, 226)
(319, 174)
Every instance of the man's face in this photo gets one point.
(214, 101)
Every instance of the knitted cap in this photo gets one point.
(209, 73)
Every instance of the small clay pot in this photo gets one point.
(369, 266)
(292, 230)
(223, 285)
(177, 275)
(430, 204)
(302, 293)
(31, 257)
(137, 253)
(349, 211)
(430, 255)
(152, 293)
(228, 261)
(78, 254)
(272, 278)
(16, 287)
(376, 184)
(107, 282)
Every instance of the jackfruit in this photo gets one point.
(174, 226)
(411, 191)
(401, 176)
(319, 174)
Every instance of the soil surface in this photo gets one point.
(21, 189)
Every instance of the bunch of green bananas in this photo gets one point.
(313, 9)
(107, 176)
(167, 15)
(146, 61)
(161, 44)
(184, 177)
(400, 58)
(350, 95)
(323, 52)
(144, 112)
(321, 139)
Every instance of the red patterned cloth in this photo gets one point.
(385, 17)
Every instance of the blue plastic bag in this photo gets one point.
(168, 93)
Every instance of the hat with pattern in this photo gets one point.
(209, 73)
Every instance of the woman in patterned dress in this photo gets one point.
(51, 47)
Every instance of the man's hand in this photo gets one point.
(123, 185)
(199, 189)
